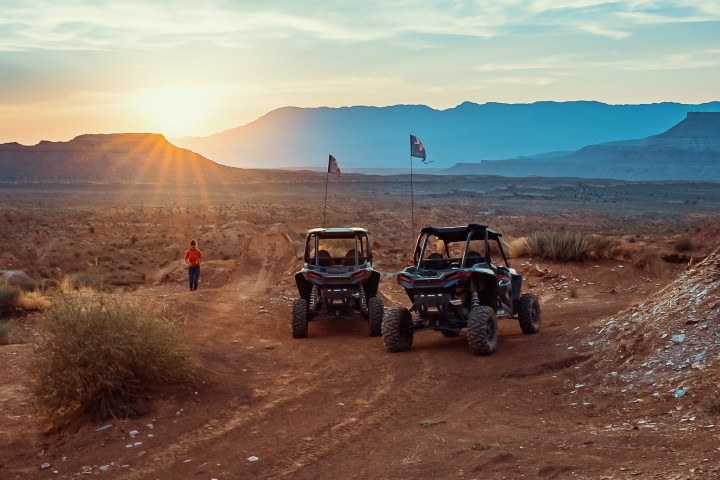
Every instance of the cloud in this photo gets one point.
(135, 24)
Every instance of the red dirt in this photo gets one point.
(338, 405)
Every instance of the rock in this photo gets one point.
(17, 278)
(44, 466)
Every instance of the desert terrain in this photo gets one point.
(621, 382)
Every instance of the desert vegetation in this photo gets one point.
(99, 354)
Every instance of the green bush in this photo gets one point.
(554, 245)
(100, 355)
(9, 296)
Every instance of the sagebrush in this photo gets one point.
(556, 245)
(100, 355)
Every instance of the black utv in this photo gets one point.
(461, 279)
(337, 276)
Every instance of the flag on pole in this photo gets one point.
(416, 147)
(333, 166)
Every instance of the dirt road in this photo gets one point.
(338, 405)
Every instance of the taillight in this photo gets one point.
(453, 276)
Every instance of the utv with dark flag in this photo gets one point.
(337, 277)
(460, 280)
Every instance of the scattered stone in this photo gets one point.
(252, 458)
(679, 338)
(104, 427)
(44, 466)
(428, 422)
(680, 392)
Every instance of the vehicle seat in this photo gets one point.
(349, 260)
(435, 261)
(324, 258)
(472, 258)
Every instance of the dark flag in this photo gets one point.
(416, 147)
(333, 166)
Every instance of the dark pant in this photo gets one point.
(194, 275)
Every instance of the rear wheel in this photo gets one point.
(482, 330)
(300, 318)
(529, 313)
(397, 329)
(375, 318)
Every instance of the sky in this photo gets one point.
(189, 68)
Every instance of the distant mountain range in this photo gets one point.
(378, 137)
(689, 150)
(378, 141)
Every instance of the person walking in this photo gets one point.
(193, 255)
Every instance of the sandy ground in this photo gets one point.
(560, 404)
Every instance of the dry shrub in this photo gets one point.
(648, 260)
(81, 281)
(683, 244)
(99, 355)
(9, 296)
(554, 245)
(600, 247)
(33, 301)
(518, 247)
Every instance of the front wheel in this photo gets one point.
(397, 331)
(375, 316)
(482, 330)
(529, 313)
(300, 318)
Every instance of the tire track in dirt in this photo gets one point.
(229, 427)
(221, 424)
(364, 417)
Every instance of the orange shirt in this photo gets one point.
(193, 256)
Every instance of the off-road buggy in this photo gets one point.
(337, 276)
(454, 284)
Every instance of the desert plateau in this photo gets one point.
(621, 382)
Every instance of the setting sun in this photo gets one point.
(176, 111)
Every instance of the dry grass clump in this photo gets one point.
(601, 247)
(81, 280)
(33, 301)
(517, 247)
(554, 245)
(100, 355)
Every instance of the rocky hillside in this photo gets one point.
(666, 346)
(123, 158)
(689, 150)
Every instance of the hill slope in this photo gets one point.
(372, 137)
(124, 158)
(689, 150)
